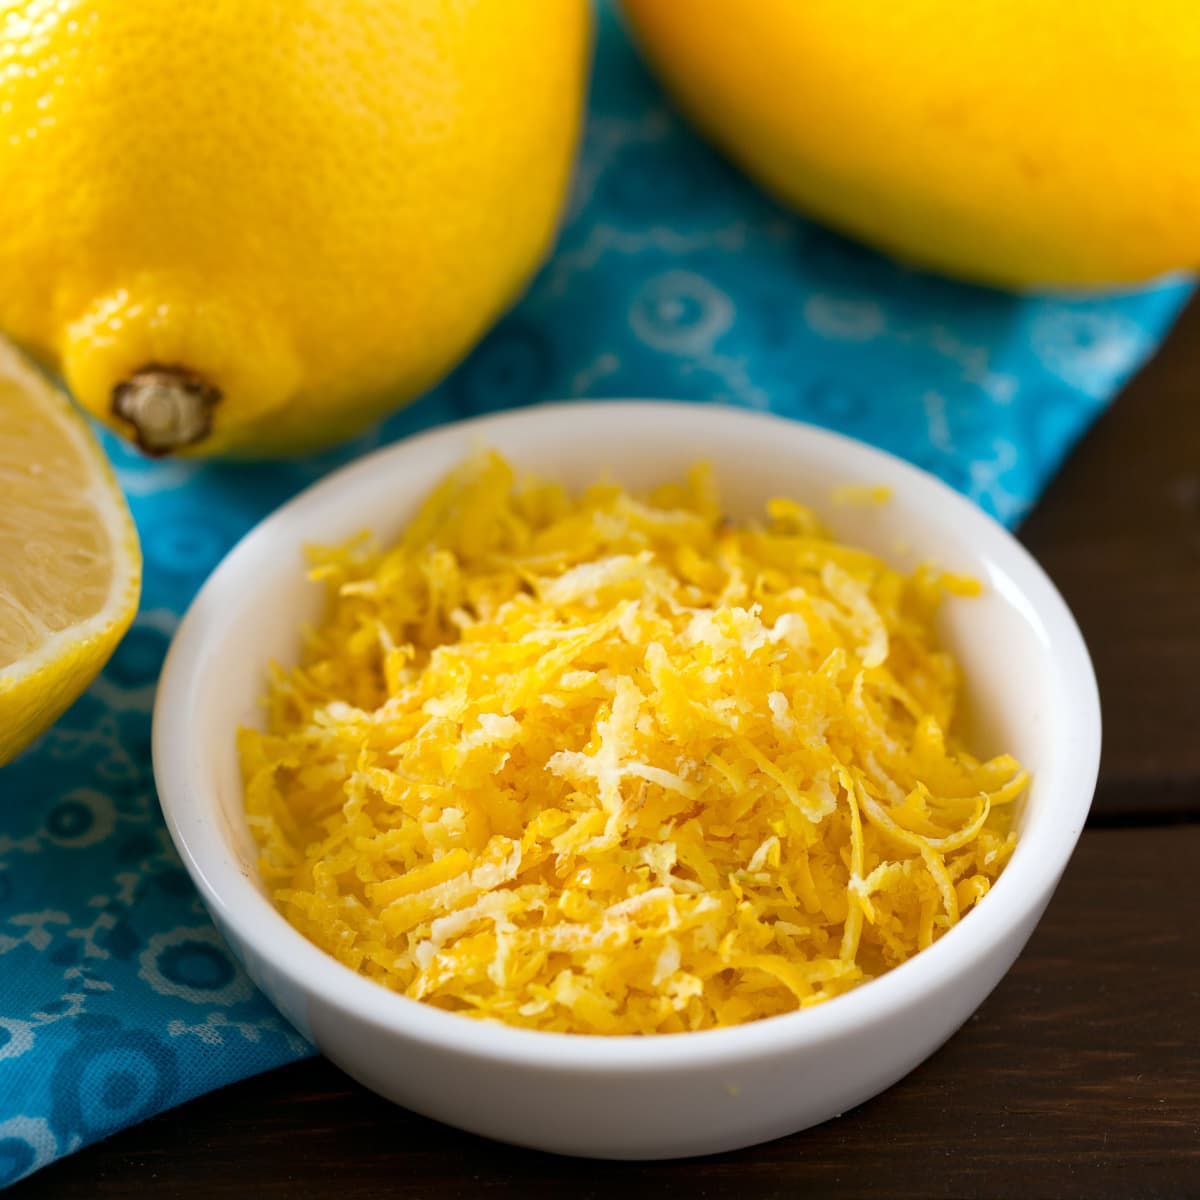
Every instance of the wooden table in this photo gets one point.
(1080, 1076)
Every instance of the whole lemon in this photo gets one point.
(255, 226)
(1016, 142)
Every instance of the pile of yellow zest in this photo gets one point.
(610, 766)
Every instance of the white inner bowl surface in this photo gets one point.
(1031, 692)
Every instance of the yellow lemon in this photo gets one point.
(252, 227)
(1016, 142)
(70, 569)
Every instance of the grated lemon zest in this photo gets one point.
(613, 765)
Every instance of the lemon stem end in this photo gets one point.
(169, 407)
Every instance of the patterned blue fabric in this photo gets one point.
(673, 277)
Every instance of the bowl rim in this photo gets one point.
(1013, 903)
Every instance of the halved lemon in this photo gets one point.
(70, 566)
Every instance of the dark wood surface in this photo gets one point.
(1080, 1076)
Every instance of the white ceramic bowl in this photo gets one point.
(1032, 692)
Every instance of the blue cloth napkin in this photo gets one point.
(673, 277)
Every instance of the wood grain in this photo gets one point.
(1079, 1077)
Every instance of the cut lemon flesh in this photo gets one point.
(70, 567)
